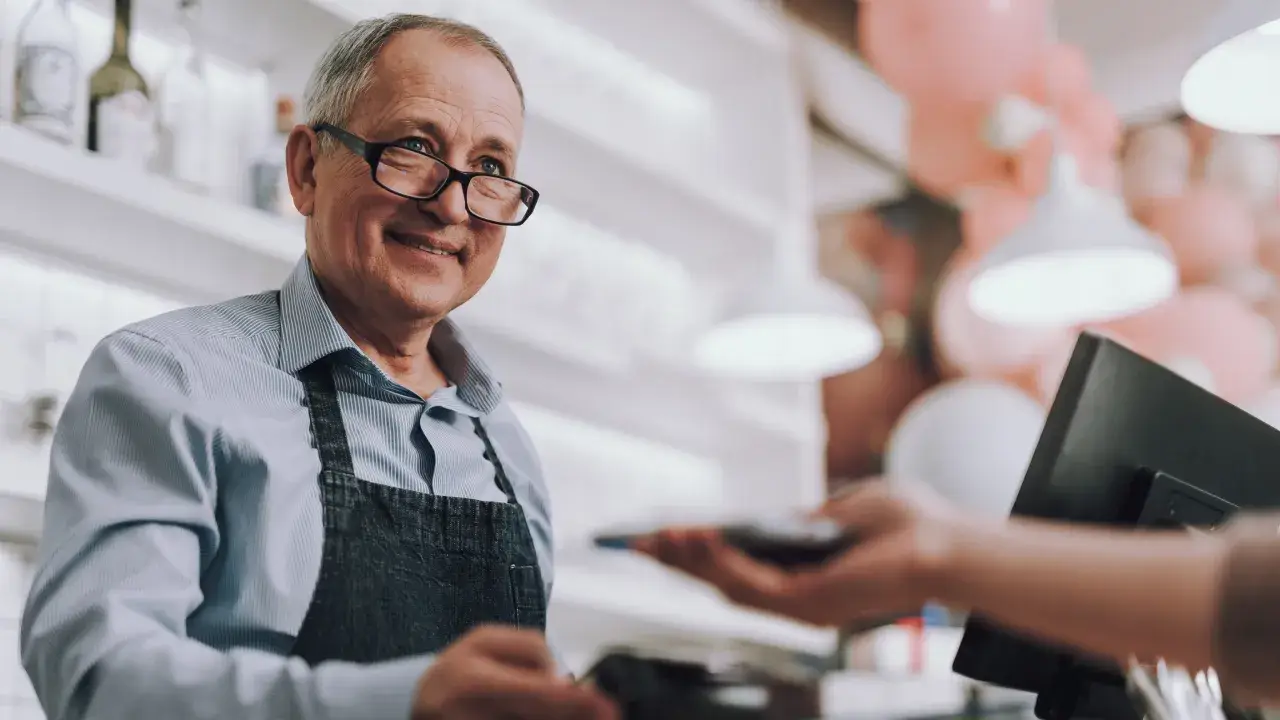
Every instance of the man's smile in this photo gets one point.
(425, 243)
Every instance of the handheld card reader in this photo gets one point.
(786, 543)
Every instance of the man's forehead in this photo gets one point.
(429, 80)
(424, 57)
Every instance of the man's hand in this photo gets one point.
(906, 536)
(498, 672)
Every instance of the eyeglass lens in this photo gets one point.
(490, 198)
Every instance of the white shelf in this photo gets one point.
(93, 213)
(670, 405)
(69, 206)
(618, 183)
(706, 43)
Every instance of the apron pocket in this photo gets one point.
(528, 596)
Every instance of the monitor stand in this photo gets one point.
(1080, 689)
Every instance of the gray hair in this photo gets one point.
(346, 68)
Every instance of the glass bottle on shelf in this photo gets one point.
(121, 118)
(47, 71)
(184, 107)
(268, 179)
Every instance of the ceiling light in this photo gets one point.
(1232, 85)
(1080, 258)
(791, 331)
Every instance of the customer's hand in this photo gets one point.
(499, 672)
(906, 537)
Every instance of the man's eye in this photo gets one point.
(416, 145)
(489, 166)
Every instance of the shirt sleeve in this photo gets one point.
(129, 526)
(1247, 627)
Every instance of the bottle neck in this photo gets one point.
(124, 28)
(189, 19)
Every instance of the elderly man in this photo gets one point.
(314, 503)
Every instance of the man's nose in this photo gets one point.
(450, 206)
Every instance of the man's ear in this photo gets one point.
(300, 155)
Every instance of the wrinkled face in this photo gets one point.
(375, 248)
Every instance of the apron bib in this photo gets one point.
(407, 573)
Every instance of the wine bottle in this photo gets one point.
(121, 119)
(47, 71)
(269, 180)
(184, 103)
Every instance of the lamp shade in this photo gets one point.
(791, 331)
(1078, 259)
(1232, 85)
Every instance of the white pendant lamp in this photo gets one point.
(1232, 86)
(1080, 258)
(791, 330)
(794, 326)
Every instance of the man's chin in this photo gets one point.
(428, 303)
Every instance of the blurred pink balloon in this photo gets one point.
(1245, 165)
(1096, 169)
(946, 152)
(1060, 78)
(1213, 327)
(988, 213)
(1208, 230)
(1201, 137)
(1157, 162)
(1095, 118)
(956, 50)
(971, 346)
(1268, 224)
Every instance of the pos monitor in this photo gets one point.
(1126, 443)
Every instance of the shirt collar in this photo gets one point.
(309, 332)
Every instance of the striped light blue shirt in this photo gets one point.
(183, 528)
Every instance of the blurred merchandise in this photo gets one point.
(670, 679)
(47, 71)
(917, 646)
(268, 179)
(121, 116)
(185, 104)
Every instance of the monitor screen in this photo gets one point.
(1127, 442)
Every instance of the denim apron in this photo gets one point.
(406, 573)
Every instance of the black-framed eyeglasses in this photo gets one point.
(415, 175)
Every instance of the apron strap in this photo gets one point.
(331, 434)
(326, 418)
(500, 475)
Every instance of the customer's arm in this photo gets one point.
(130, 522)
(1191, 598)
(1195, 599)
(1109, 592)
